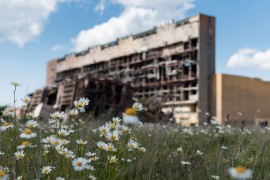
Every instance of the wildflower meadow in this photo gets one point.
(74, 145)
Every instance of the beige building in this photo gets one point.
(171, 66)
(175, 61)
(241, 99)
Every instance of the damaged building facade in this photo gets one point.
(174, 62)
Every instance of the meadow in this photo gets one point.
(74, 145)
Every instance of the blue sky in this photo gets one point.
(33, 33)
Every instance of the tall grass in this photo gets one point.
(172, 152)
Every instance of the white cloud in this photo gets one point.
(57, 47)
(23, 20)
(100, 7)
(137, 16)
(247, 57)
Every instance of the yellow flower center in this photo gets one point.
(2, 173)
(112, 160)
(25, 100)
(56, 143)
(101, 147)
(46, 170)
(27, 131)
(132, 145)
(25, 143)
(69, 157)
(113, 137)
(240, 169)
(19, 156)
(79, 105)
(31, 125)
(6, 124)
(62, 133)
(79, 164)
(130, 111)
(110, 148)
(104, 130)
(112, 125)
(136, 108)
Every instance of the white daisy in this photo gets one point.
(110, 147)
(132, 145)
(6, 126)
(60, 178)
(92, 177)
(31, 123)
(112, 159)
(126, 130)
(56, 125)
(112, 125)
(52, 121)
(70, 156)
(46, 146)
(71, 131)
(142, 149)
(19, 178)
(199, 152)
(130, 116)
(3, 175)
(19, 154)
(102, 145)
(46, 140)
(112, 136)
(15, 83)
(81, 142)
(215, 177)
(179, 149)
(28, 134)
(224, 147)
(26, 100)
(185, 163)
(103, 130)
(73, 112)
(9, 111)
(138, 106)
(187, 131)
(81, 103)
(79, 164)
(240, 172)
(56, 142)
(65, 141)
(116, 119)
(46, 169)
(95, 158)
(55, 115)
(90, 154)
(89, 167)
(63, 132)
(62, 115)
(30, 114)
(25, 144)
